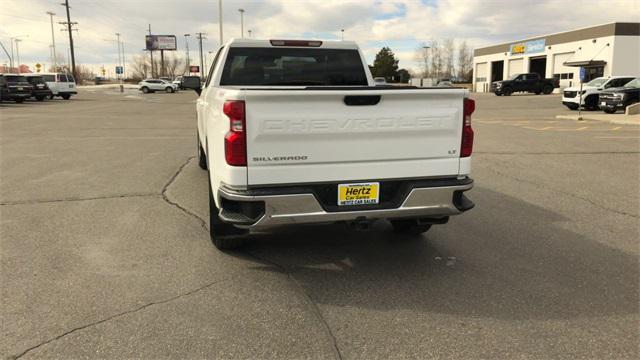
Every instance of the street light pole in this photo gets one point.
(241, 23)
(220, 21)
(53, 41)
(120, 64)
(186, 42)
(18, 53)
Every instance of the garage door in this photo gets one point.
(558, 60)
(516, 66)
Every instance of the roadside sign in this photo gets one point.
(583, 74)
(119, 70)
(38, 66)
(194, 69)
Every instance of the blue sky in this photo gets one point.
(403, 25)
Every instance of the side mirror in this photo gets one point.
(192, 82)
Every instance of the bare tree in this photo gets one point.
(140, 67)
(448, 56)
(465, 62)
(423, 57)
(436, 59)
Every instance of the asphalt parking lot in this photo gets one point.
(105, 252)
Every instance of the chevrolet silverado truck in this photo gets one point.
(529, 82)
(296, 132)
(616, 99)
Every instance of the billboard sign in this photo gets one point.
(529, 47)
(160, 42)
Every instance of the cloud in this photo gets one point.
(401, 24)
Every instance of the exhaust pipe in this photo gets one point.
(361, 224)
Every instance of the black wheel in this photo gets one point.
(498, 94)
(409, 226)
(547, 89)
(169, 89)
(610, 110)
(591, 103)
(66, 96)
(538, 92)
(202, 157)
(51, 96)
(40, 98)
(507, 91)
(572, 106)
(223, 236)
(145, 90)
(19, 100)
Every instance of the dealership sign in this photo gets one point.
(160, 42)
(528, 47)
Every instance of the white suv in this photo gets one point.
(60, 84)
(152, 85)
(591, 91)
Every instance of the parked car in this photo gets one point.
(60, 84)
(619, 98)
(153, 85)
(380, 81)
(178, 81)
(529, 82)
(39, 90)
(591, 92)
(444, 83)
(14, 87)
(295, 131)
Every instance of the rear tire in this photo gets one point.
(547, 89)
(145, 90)
(66, 96)
(573, 106)
(223, 236)
(40, 98)
(409, 226)
(169, 90)
(202, 157)
(609, 110)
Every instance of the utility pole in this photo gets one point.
(151, 52)
(220, 21)
(69, 24)
(202, 74)
(17, 41)
(186, 44)
(53, 41)
(241, 23)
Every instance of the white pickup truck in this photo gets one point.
(294, 131)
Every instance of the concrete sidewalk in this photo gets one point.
(612, 118)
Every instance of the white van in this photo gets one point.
(61, 84)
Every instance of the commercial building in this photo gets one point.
(604, 50)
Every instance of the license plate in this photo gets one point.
(20, 89)
(603, 103)
(358, 194)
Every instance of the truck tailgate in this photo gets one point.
(305, 136)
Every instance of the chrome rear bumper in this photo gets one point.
(427, 202)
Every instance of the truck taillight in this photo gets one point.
(235, 141)
(466, 147)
